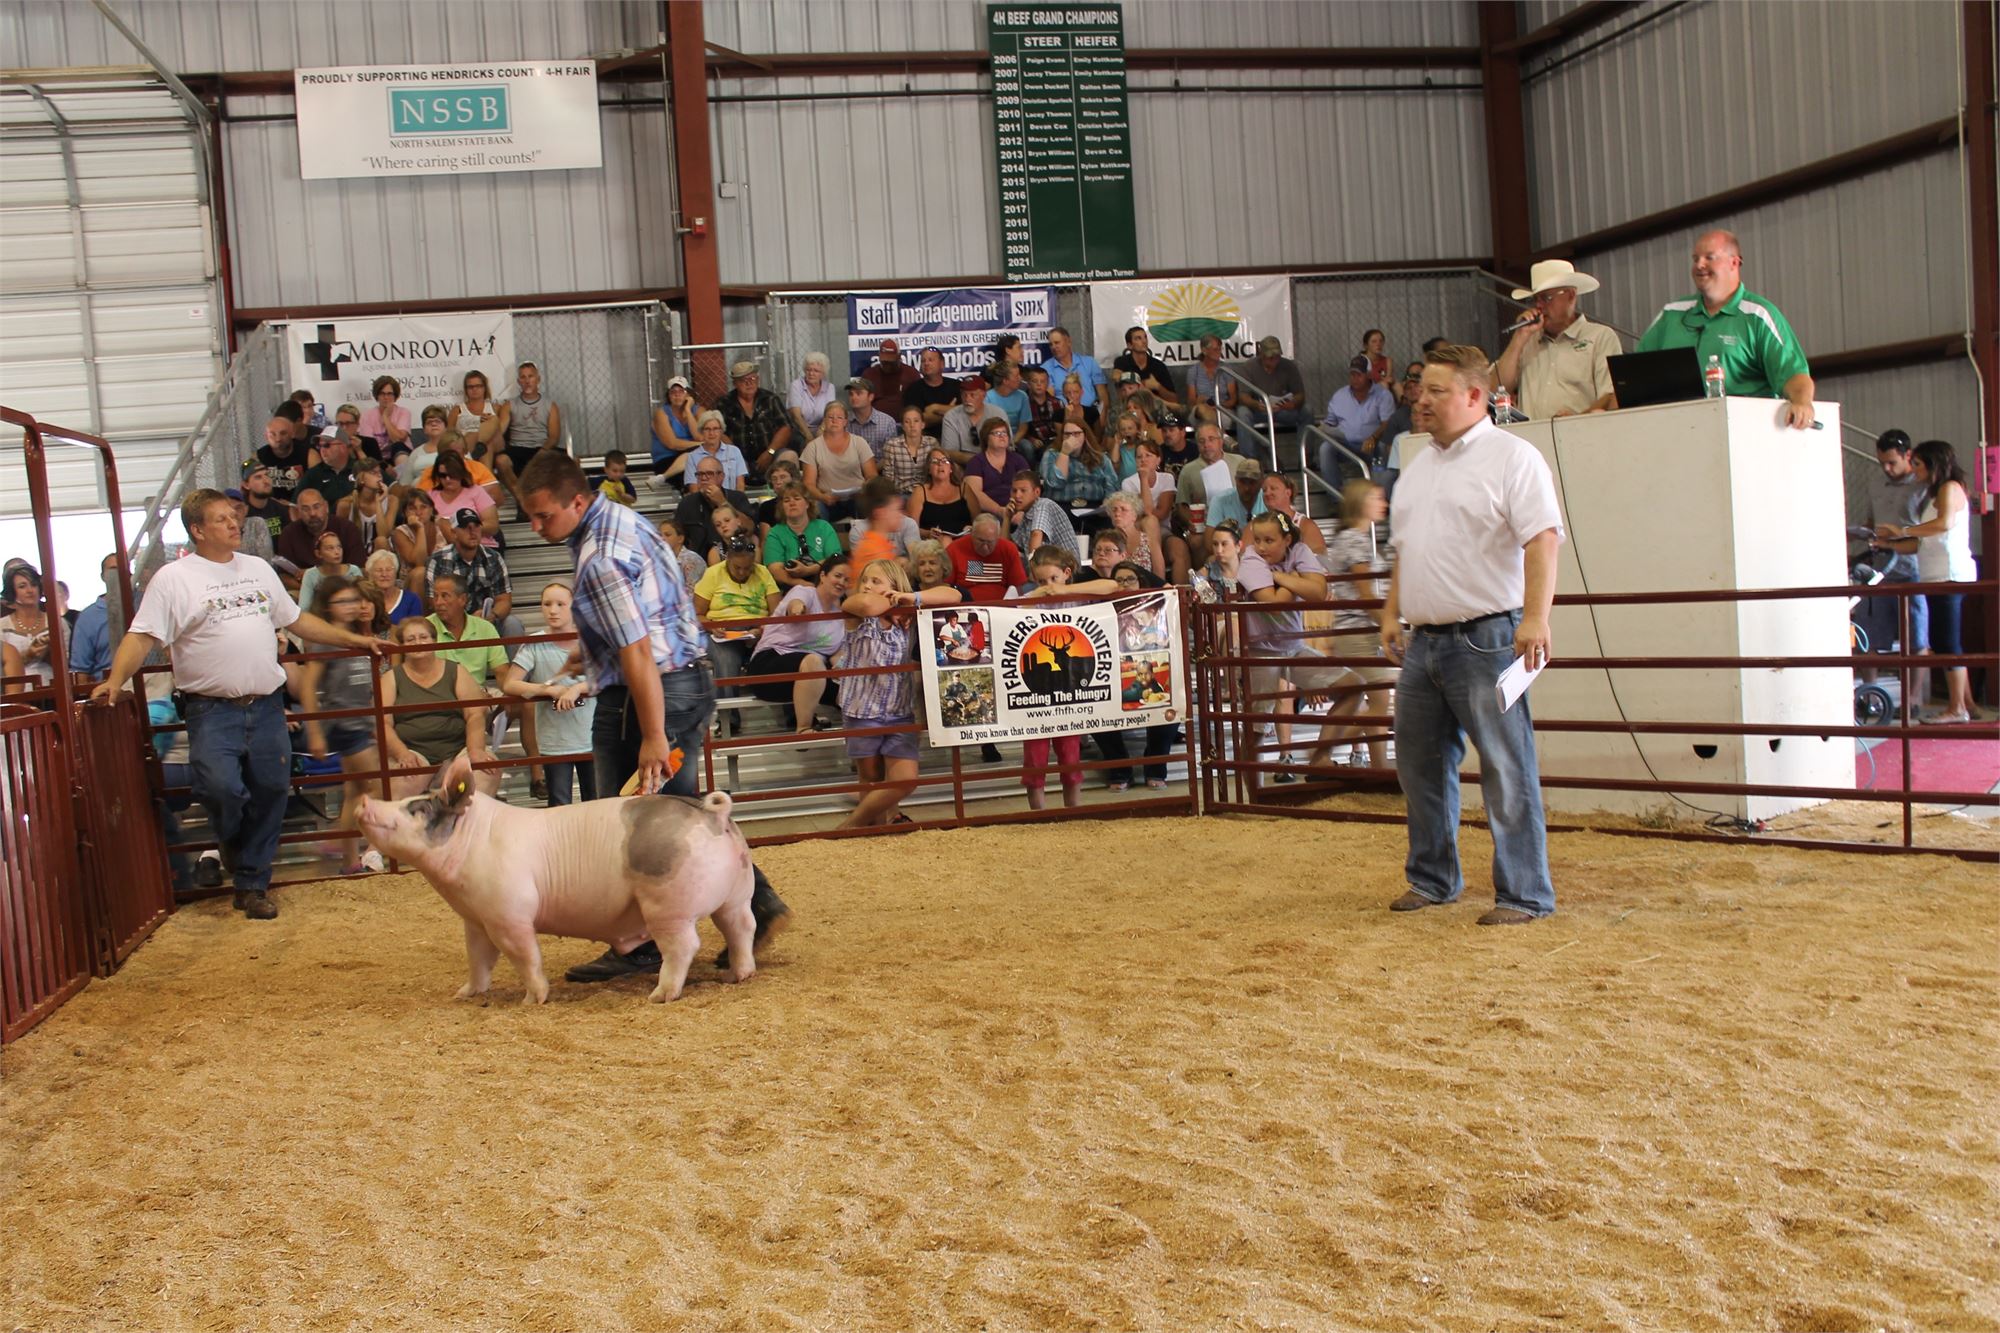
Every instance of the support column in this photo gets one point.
(1506, 136)
(687, 95)
(1983, 201)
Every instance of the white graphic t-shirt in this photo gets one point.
(220, 622)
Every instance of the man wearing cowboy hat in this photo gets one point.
(1557, 365)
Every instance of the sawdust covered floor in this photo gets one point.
(1163, 1074)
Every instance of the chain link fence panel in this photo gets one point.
(604, 366)
(707, 367)
(1332, 312)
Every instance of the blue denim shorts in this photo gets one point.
(890, 745)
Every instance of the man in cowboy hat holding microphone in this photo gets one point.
(1556, 362)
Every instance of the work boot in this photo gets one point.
(256, 904)
(612, 964)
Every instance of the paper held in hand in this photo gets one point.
(1514, 682)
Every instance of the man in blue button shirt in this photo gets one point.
(1064, 361)
(643, 657)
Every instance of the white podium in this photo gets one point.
(1704, 495)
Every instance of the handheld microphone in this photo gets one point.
(1533, 317)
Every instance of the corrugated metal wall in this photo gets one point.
(1717, 94)
(302, 243)
(960, 25)
(1378, 170)
(1877, 260)
(209, 36)
(420, 238)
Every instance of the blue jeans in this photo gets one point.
(559, 775)
(1443, 695)
(240, 763)
(615, 734)
(730, 656)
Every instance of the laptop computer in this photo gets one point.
(1642, 379)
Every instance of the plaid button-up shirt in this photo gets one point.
(484, 575)
(628, 589)
(752, 431)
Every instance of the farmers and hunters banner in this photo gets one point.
(961, 323)
(1016, 671)
(441, 120)
(1179, 312)
(428, 354)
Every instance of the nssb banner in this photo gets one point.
(1179, 312)
(961, 324)
(442, 120)
(1022, 670)
(428, 354)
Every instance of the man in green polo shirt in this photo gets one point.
(1761, 357)
(455, 625)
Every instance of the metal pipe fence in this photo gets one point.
(1238, 768)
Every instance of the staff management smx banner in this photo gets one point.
(442, 120)
(961, 323)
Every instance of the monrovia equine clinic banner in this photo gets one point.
(961, 324)
(1179, 312)
(441, 120)
(428, 354)
(1020, 670)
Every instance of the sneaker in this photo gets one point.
(208, 872)
(612, 964)
(656, 482)
(256, 904)
(372, 862)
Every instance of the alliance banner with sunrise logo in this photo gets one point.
(1177, 313)
(1027, 669)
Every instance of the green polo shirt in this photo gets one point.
(1759, 351)
(479, 663)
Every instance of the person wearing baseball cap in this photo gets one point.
(260, 507)
(1557, 363)
(864, 418)
(675, 431)
(755, 421)
(891, 377)
(1353, 415)
(1278, 376)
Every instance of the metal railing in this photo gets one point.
(1238, 768)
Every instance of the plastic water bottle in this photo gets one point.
(1712, 378)
(1503, 405)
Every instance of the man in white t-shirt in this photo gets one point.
(1476, 527)
(218, 612)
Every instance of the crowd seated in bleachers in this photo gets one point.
(863, 496)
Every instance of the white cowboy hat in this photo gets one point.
(1551, 274)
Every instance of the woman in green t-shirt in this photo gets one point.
(798, 543)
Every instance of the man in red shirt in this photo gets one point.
(984, 564)
(890, 377)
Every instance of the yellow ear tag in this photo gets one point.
(460, 789)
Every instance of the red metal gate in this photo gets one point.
(45, 953)
(123, 852)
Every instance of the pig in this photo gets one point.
(620, 871)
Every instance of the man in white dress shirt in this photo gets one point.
(1476, 528)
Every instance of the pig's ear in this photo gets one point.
(455, 783)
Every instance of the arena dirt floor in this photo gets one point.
(1162, 1074)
